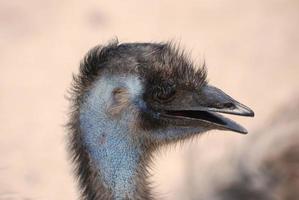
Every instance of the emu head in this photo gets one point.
(153, 93)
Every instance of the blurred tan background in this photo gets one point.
(251, 49)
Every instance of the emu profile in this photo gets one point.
(129, 99)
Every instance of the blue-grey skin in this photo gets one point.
(116, 157)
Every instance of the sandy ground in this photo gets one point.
(251, 49)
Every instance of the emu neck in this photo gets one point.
(114, 155)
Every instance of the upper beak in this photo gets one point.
(205, 105)
(216, 100)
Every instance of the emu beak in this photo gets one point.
(202, 108)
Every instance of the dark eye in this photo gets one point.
(165, 92)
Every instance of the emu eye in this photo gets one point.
(165, 92)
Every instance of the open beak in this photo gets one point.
(204, 108)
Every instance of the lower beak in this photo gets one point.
(210, 102)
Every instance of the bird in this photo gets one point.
(128, 100)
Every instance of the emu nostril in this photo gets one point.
(225, 105)
(229, 105)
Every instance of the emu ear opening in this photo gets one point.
(119, 100)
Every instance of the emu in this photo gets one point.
(128, 100)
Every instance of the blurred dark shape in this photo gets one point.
(265, 167)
